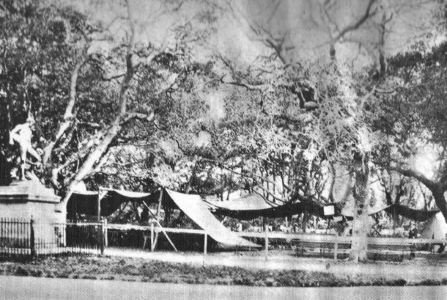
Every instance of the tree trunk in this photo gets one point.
(360, 225)
(68, 115)
(304, 221)
(438, 195)
(94, 157)
(382, 33)
(110, 134)
(437, 188)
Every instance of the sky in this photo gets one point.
(309, 31)
(301, 22)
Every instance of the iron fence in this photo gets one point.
(15, 237)
(21, 238)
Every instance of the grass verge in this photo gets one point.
(135, 269)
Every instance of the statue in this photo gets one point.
(22, 135)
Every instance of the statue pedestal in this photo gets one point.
(22, 200)
(30, 199)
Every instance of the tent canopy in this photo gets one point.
(198, 211)
(240, 206)
(241, 202)
(253, 206)
(413, 214)
(192, 205)
(436, 228)
(244, 207)
(86, 202)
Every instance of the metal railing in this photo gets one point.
(27, 238)
(22, 238)
(15, 237)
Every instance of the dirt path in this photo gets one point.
(411, 270)
(56, 288)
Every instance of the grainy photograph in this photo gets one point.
(223, 149)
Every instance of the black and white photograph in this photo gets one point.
(223, 149)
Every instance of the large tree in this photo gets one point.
(94, 84)
(123, 100)
(412, 110)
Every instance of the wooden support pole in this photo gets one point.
(155, 239)
(99, 205)
(394, 221)
(335, 247)
(268, 185)
(106, 238)
(266, 241)
(167, 237)
(160, 198)
(205, 243)
(274, 180)
(152, 237)
(101, 237)
(161, 228)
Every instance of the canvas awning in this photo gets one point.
(192, 205)
(245, 202)
(410, 213)
(83, 202)
(86, 202)
(244, 207)
(198, 211)
(251, 206)
(435, 228)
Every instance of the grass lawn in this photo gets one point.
(139, 269)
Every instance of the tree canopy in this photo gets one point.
(278, 98)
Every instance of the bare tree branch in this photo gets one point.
(69, 115)
(430, 184)
(356, 24)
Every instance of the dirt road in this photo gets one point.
(31, 288)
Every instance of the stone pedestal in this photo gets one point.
(30, 199)
(22, 201)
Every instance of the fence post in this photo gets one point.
(32, 238)
(266, 241)
(106, 237)
(101, 236)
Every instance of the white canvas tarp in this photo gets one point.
(198, 211)
(247, 202)
(435, 228)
